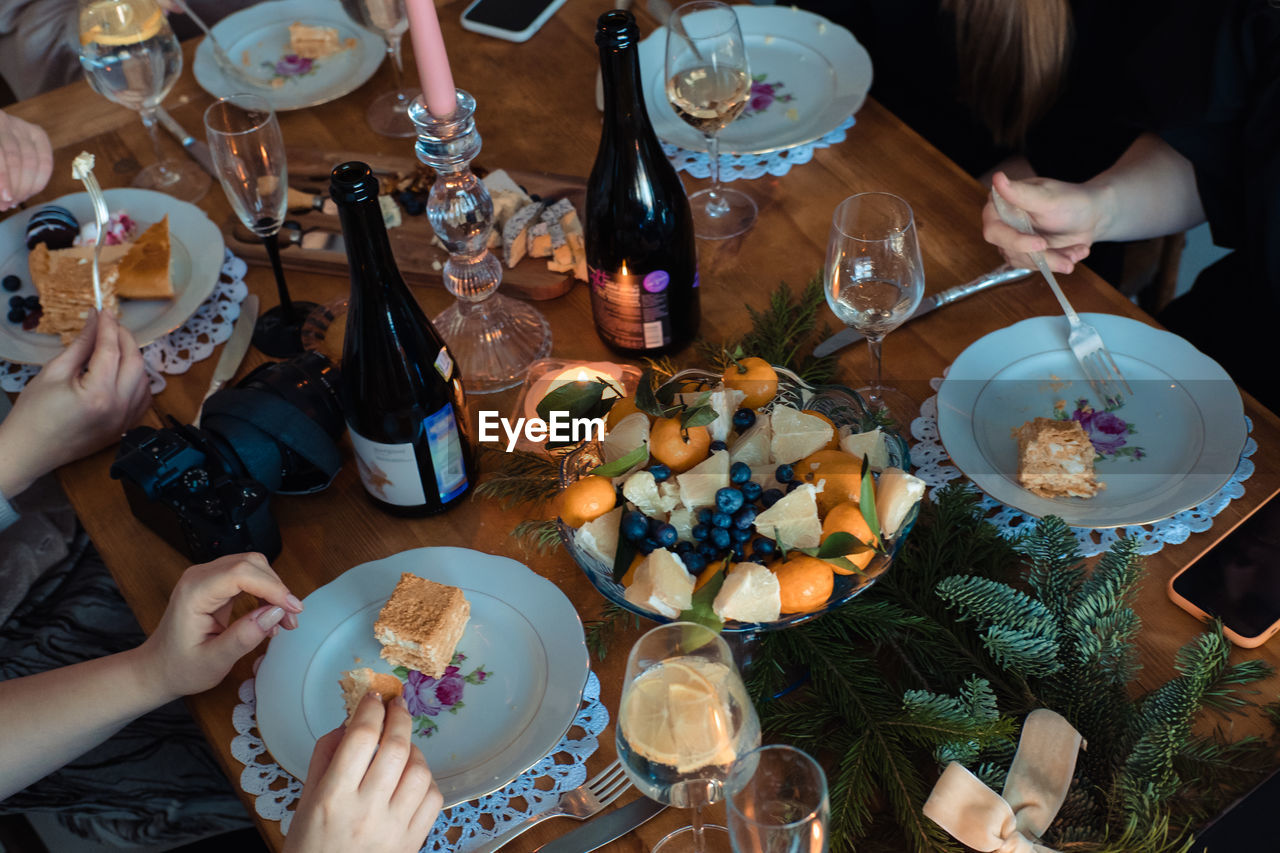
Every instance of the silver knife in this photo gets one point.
(234, 351)
(197, 149)
(1000, 275)
(598, 832)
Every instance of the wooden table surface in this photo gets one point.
(536, 112)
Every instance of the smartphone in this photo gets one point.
(1238, 580)
(513, 20)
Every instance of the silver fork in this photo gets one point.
(82, 170)
(1099, 367)
(224, 61)
(580, 803)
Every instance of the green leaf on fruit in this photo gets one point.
(579, 399)
(700, 609)
(697, 416)
(651, 402)
(840, 544)
(622, 465)
(625, 554)
(867, 498)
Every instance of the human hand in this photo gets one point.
(26, 160)
(368, 787)
(196, 644)
(81, 401)
(1067, 219)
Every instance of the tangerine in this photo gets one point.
(619, 410)
(755, 377)
(805, 582)
(629, 576)
(847, 517)
(834, 443)
(707, 574)
(587, 499)
(678, 448)
(840, 473)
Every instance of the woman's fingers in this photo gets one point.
(395, 753)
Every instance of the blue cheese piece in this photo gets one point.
(390, 212)
(515, 234)
(540, 240)
(555, 214)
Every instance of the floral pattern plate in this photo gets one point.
(808, 75)
(509, 696)
(1170, 445)
(258, 37)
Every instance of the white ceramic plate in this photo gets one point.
(820, 65)
(261, 32)
(1173, 443)
(523, 632)
(195, 261)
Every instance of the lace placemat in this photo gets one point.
(935, 467)
(460, 828)
(174, 353)
(751, 166)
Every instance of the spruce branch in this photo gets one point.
(600, 632)
(535, 536)
(524, 477)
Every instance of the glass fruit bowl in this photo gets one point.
(842, 406)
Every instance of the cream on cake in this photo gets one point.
(420, 625)
(1055, 459)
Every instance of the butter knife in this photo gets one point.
(197, 149)
(599, 831)
(234, 350)
(1000, 275)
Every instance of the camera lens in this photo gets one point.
(309, 382)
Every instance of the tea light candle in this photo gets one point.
(587, 371)
(433, 61)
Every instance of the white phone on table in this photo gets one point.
(513, 20)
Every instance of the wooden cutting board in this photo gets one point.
(419, 258)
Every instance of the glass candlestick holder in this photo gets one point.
(494, 338)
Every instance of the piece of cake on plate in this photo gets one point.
(357, 682)
(1055, 459)
(420, 625)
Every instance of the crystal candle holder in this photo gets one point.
(493, 338)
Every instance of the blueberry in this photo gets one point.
(11, 283)
(729, 500)
(31, 303)
(16, 315)
(667, 535)
(739, 473)
(655, 524)
(17, 302)
(635, 526)
(659, 471)
(695, 562)
(739, 553)
(764, 546)
(415, 207)
(708, 552)
(718, 445)
(794, 484)
(648, 545)
(719, 537)
(704, 515)
(739, 535)
(770, 497)
(700, 531)
(785, 474)
(744, 419)
(683, 547)
(751, 492)
(743, 518)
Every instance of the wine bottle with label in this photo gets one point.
(400, 389)
(641, 255)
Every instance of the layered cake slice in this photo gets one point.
(420, 625)
(1055, 459)
(357, 682)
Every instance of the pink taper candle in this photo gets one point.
(433, 61)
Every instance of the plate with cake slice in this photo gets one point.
(161, 259)
(1018, 418)
(491, 658)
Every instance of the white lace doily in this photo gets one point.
(461, 828)
(936, 469)
(751, 166)
(209, 326)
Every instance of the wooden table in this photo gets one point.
(536, 112)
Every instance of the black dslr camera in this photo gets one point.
(206, 489)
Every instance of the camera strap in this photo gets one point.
(231, 409)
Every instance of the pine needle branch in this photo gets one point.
(540, 537)
(524, 477)
(600, 632)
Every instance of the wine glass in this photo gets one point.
(684, 719)
(874, 279)
(389, 113)
(248, 154)
(776, 797)
(131, 56)
(708, 84)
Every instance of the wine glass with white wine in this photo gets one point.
(684, 719)
(874, 280)
(708, 83)
(388, 114)
(131, 56)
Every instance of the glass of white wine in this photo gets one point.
(131, 56)
(708, 83)
(776, 797)
(685, 719)
(874, 279)
(388, 114)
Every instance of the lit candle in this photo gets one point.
(581, 372)
(433, 61)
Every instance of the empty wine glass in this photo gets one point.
(708, 84)
(389, 112)
(248, 154)
(131, 57)
(874, 279)
(684, 719)
(776, 797)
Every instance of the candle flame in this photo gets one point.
(582, 376)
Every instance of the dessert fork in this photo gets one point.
(581, 803)
(224, 61)
(82, 170)
(1099, 367)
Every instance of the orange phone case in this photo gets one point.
(1189, 606)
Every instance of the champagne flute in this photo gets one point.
(708, 84)
(685, 718)
(776, 797)
(131, 57)
(388, 115)
(248, 154)
(874, 279)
